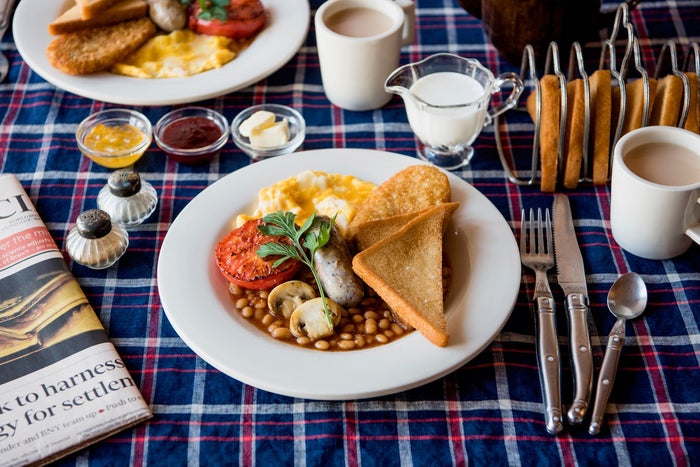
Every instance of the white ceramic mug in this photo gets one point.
(354, 66)
(655, 192)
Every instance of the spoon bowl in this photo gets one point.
(627, 299)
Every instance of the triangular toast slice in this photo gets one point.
(405, 269)
(370, 232)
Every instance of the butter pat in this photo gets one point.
(271, 136)
(256, 122)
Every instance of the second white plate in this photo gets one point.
(285, 32)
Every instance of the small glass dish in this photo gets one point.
(192, 135)
(297, 131)
(114, 138)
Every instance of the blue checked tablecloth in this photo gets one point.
(489, 412)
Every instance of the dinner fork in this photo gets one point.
(538, 255)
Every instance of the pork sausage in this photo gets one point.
(333, 264)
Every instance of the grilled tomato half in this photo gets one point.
(241, 19)
(237, 259)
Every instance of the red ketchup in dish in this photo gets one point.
(188, 135)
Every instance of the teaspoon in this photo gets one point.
(627, 299)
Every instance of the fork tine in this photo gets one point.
(533, 237)
(523, 233)
(540, 236)
(550, 241)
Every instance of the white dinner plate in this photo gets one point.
(480, 245)
(286, 29)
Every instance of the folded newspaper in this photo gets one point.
(62, 384)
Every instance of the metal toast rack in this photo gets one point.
(523, 170)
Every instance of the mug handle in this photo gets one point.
(409, 22)
(694, 230)
(506, 78)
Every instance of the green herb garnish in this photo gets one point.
(211, 9)
(282, 224)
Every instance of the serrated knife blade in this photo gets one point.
(572, 279)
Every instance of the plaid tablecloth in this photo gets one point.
(489, 412)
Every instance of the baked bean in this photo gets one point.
(371, 315)
(247, 312)
(384, 323)
(303, 340)
(267, 319)
(322, 345)
(281, 333)
(242, 303)
(346, 336)
(371, 326)
(346, 344)
(381, 338)
(360, 340)
(388, 334)
(396, 329)
(260, 313)
(357, 318)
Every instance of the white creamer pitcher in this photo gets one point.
(447, 99)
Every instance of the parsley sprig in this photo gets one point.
(304, 238)
(211, 9)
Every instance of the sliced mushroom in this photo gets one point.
(287, 296)
(309, 319)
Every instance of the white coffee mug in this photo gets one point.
(655, 192)
(359, 44)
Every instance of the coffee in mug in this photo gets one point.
(664, 163)
(359, 22)
(655, 192)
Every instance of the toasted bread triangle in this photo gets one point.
(405, 269)
(370, 232)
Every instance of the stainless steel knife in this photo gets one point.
(572, 279)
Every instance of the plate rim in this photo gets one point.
(126, 90)
(442, 360)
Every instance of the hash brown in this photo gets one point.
(96, 49)
(414, 188)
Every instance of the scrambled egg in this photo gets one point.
(178, 54)
(325, 193)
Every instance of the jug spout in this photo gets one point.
(400, 81)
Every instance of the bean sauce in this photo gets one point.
(369, 324)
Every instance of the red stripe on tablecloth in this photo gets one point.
(454, 425)
(247, 440)
(351, 434)
(338, 133)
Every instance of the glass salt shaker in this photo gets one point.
(96, 241)
(127, 198)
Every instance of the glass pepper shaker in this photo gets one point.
(96, 241)
(127, 198)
